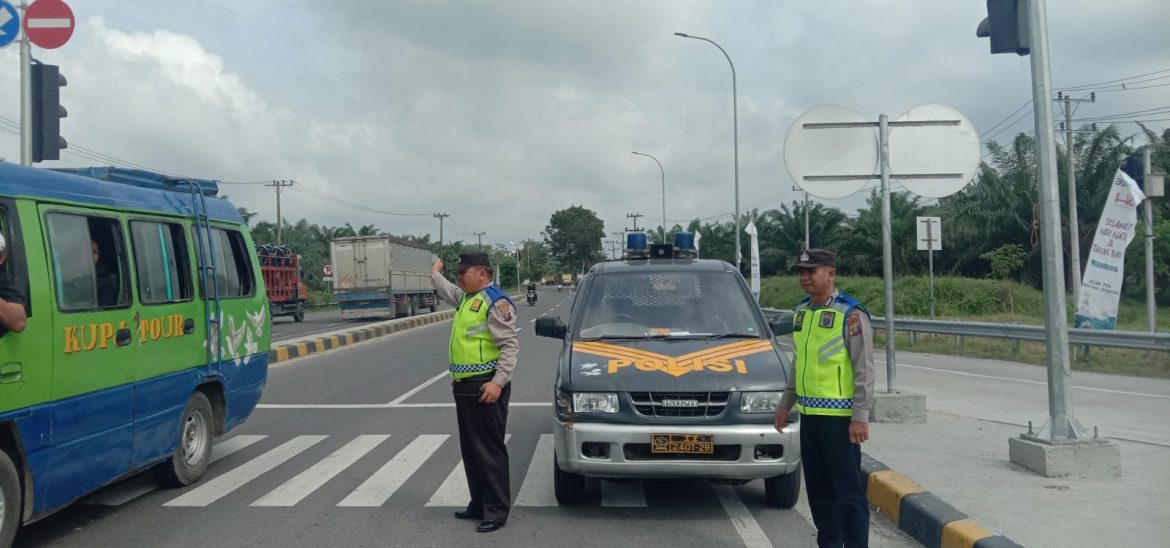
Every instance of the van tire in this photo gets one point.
(569, 488)
(299, 315)
(11, 505)
(784, 490)
(196, 435)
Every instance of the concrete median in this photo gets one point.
(288, 350)
(921, 514)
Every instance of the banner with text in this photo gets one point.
(1105, 267)
(751, 229)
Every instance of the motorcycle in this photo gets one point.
(531, 298)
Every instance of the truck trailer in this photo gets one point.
(381, 277)
(287, 294)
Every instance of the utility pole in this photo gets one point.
(1151, 308)
(278, 186)
(25, 94)
(1074, 227)
(807, 238)
(635, 217)
(479, 237)
(440, 217)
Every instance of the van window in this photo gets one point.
(233, 264)
(162, 261)
(89, 262)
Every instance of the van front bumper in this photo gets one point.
(742, 451)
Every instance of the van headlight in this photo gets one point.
(759, 402)
(595, 402)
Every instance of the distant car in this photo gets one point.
(670, 369)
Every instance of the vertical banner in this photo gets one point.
(751, 229)
(1105, 268)
(698, 237)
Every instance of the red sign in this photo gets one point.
(327, 269)
(48, 23)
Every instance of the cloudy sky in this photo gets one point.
(500, 112)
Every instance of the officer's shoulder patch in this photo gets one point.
(476, 304)
(504, 309)
(854, 323)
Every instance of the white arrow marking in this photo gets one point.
(5, 17)
(50, 23)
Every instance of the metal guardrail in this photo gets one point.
(1135, 340)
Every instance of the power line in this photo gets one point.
(1117, 81)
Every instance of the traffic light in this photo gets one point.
(47, 112)
(1006, 25)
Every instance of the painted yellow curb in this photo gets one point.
(963, 533)
(886, 489)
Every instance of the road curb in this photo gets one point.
(300, 349)
(922, 514)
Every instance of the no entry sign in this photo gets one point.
(48, 23)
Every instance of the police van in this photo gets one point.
(669, 369)
(127, 276)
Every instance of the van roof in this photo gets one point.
(114, 188)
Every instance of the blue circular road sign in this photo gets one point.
(9, 23)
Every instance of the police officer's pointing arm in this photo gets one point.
(448, 291)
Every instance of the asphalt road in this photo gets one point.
(284, 328)
(359, 447)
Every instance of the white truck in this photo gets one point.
(381, 277)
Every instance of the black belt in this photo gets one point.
(480, 377)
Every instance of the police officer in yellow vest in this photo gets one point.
(483, 350)
(833, 389)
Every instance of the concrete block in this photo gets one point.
(899, 407)
(1086, 459)
(924, 516)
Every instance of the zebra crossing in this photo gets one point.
(378, 489)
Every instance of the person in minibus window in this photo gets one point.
(12, 315)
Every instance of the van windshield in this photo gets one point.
(667, 305)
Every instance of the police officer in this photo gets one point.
(12, 316)
(483, 350)
(833, 389)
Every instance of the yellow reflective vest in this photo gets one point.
(472, 350)
(824, 370)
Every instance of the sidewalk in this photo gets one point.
(961, 454)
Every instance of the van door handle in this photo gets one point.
(11, 372)
(188, 326)
(122, 337)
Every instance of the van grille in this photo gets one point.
(679, 404)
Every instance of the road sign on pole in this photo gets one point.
(930, 239)
(9, 23)
(48, 23)
(327, 269)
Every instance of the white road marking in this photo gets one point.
(452, 404)
(453, 492)
(381, 486)
(1027, 381)
(126, 491)
(537, 489)
(383, 405)
(623, 495)
(305, 483)
(745, 524)
(223, 485)
(418, 388)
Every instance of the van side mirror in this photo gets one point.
(553, 328)
(781, 324)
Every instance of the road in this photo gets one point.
(359, 447)
(284, 328)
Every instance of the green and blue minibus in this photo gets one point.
(128, 275)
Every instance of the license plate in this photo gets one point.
(689, 444)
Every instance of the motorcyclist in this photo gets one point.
(531, 293)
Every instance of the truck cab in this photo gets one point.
(669, 369)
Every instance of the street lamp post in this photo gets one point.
(735, 133)
(663, 173)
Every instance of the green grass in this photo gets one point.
(986, 301)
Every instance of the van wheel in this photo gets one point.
(10, 503)
(569, 488)
(784, 490)
(299, 315)
(189, 462)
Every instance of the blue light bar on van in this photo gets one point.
(636, 245)
(144, 179)
(684, 246)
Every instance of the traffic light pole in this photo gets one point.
(25, 94)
